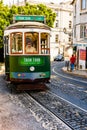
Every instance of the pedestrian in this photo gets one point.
(67, 63)
(72, 62)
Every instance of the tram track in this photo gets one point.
(53, 111)
(69, 91)
(42, 114)
(74, 117)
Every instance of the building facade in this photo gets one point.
(61, 42)
(80, 32)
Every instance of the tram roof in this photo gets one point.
(28, 25)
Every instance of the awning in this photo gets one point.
(80, 44)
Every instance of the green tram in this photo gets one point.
(22, 66)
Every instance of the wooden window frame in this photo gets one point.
(11, 43)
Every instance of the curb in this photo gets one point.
(73, 73)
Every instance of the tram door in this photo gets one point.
(6, 53)
(86, 57)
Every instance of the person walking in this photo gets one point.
(72, 62)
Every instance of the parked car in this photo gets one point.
(59, 57)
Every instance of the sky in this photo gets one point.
(15, 1)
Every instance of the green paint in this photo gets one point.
(23, 63)
(28, 18)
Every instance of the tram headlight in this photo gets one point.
(42, 75)
(32, 68)
(22, 74)
(19, 75)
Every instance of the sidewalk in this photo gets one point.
(2, 68)
(82, 73)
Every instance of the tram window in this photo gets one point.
(31, 42)
(16, 42)
(45, 43)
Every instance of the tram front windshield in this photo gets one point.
(29, 43)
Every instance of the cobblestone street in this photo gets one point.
(13, 114)
(19, 112)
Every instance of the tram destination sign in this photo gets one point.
(31, 61)
(39, 18)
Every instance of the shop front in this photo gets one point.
(80, 50)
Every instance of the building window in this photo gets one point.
(69, 37)
(56, 13)
(75, 32)
(70, 14)
(70, 24)
(57, 23)
(56, 38)
(83, 4)
(83, 31)
(75, 10)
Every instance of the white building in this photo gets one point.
(60, 41)
(80, 32)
